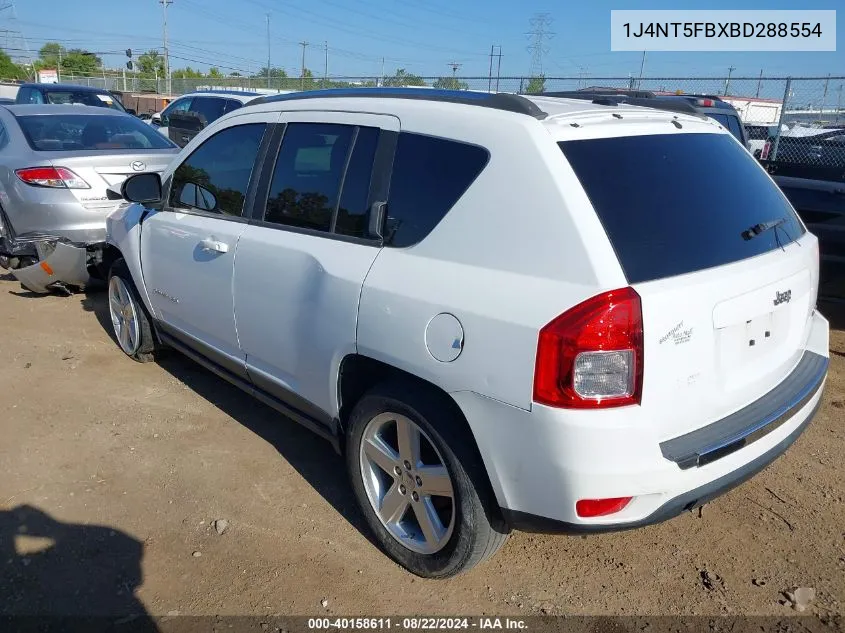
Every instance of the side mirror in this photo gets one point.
(142, 188)
(131, 111)
(156, 118)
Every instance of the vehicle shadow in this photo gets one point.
(56, 570)
(311, 456)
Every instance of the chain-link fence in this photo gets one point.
(799, 120)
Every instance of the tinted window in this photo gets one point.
(429, 176)
(353, 211)
(180, 105)
(216, 176)
(729, 122)
(308, 173)
(84, 97)
(210, 108)
(24, 95)
(73, 132)
(232, 104)
(677, 203)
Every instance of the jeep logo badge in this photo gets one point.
(782, 297)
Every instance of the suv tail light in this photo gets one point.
(764, 153)
(591, 357)
(55, 177)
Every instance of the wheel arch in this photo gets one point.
(358, 374)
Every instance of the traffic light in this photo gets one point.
(129, 52)
(130, 65)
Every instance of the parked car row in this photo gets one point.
(506, 312)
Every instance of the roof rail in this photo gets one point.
(223, 91)
(610, 99)
(495, 100)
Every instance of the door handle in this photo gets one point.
(214, 246)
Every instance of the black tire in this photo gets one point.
(478, 530)
(146, 346)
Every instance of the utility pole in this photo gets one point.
(165, 4)
(498, 66)
(642, 65)
(759, 81)
(454, 66)
(268, 50)
(303, 44)
(326, 66)
(728, 80)
(490, 71)
(382, 71)
(839, 103)
(59, 68)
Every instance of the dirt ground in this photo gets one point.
(120, 470)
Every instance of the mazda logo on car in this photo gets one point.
(139, 165)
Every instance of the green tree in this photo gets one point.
(186, 73)
(450, 83)
(48, 55)
(214, 73)
(9, 69)
(150, 64)
(274, 72)
(536, 85)
(403, 78)
(74, 61)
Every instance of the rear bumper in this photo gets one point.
(541, 462)
(684, 502)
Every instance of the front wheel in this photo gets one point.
(129, 318)
(420, 485)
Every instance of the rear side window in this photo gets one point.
(233, 104)
(673, 204)
(429, 176)
(308, 175)
(210, 108)
(731, 123)
(215, 177)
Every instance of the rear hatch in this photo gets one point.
(726, 272)
(103, 169)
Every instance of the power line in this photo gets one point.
(268, 50)
(539, 34)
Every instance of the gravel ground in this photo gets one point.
(113, 474)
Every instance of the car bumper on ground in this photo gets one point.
(60, 265)
(541, 462)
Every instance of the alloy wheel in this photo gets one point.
(124, 316)
(407, 483)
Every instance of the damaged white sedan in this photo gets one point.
(57, 164)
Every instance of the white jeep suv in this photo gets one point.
(507, 312)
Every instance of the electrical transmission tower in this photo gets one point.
(539, 34)
(13, 40)
(454, 66)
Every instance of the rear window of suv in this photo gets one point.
(673, 204)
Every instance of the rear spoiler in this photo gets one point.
(614, 99)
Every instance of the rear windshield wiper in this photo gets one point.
(762, 227)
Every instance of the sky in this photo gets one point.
(422, 36)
